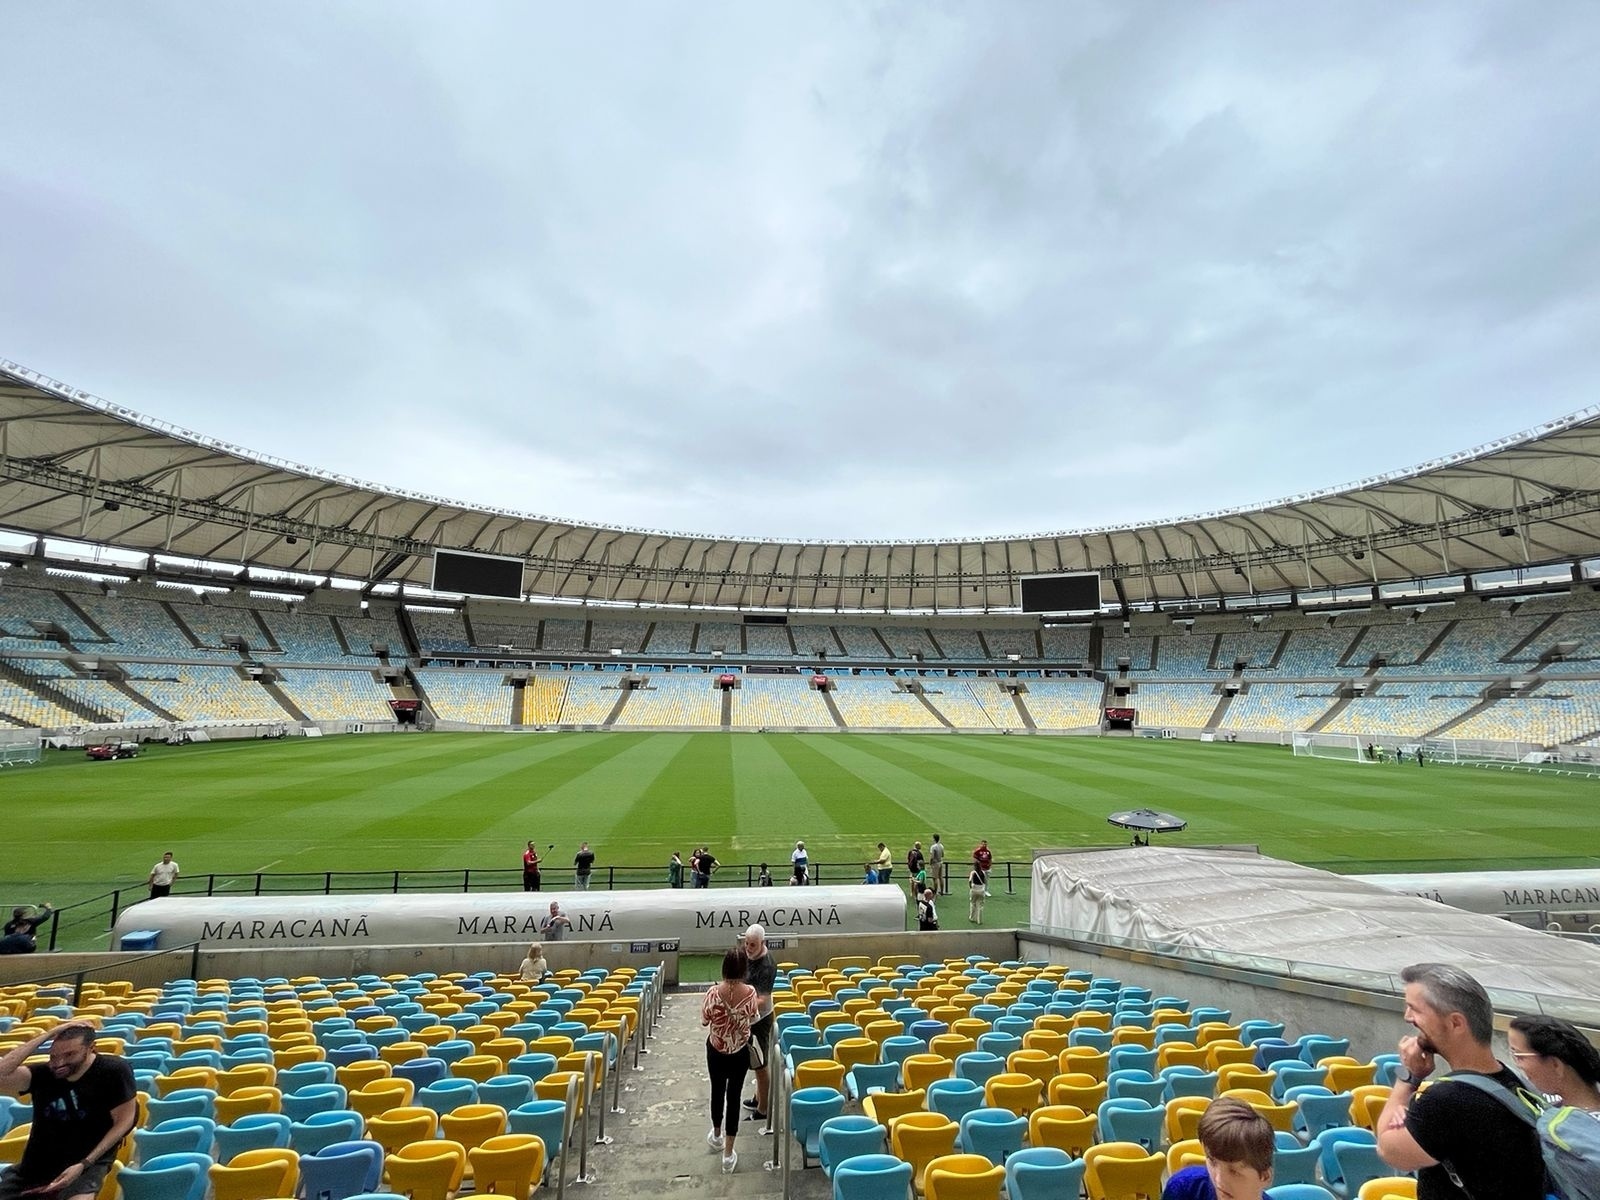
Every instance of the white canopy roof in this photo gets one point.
(1237, 906)
(76, 467)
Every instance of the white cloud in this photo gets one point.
(821, 271)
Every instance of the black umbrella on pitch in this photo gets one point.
(1146, 821)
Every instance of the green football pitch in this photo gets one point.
(415, 803)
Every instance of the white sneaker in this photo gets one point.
(729, 1162)
(714, 1140)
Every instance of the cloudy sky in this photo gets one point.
(819, 270)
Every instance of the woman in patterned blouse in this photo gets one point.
(730, 1008)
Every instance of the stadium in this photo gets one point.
(317, 690)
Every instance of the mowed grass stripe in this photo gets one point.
(459, 800)
(952, 796)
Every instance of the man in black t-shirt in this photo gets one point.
(582, 864)
(83, 1106)
(1463, 1143)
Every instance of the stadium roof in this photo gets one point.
(75, 467)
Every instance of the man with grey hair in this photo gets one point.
(761, 973)
(1463, 1143)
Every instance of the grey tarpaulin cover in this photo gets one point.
(1226, 904)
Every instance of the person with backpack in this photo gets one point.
(1564, 1065)
(1463, 1141)
(1558, 1060)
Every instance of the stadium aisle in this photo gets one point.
(661, 1141)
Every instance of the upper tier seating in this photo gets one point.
(21, 606)
(1581, 627)
(1066, 643)
(671, 637)
(1008, 641)
(212, 625)
(1185, 655)
(1256, 649)
(908, 641)
(719, 635)
(1475, 646)
(1313, 652)
(383, 628)
(562, 635)
(488, 635)
(809, 639)
(144, 629)
(960, 645)
(309, 638)
(767, 641)
(439, 633)
(626, 636)
(1137, 650)
(861, 641)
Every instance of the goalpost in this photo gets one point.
(1345, 747)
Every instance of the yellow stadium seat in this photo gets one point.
(1122, 1169)
(963, 1177)
(256, 1175)
(1064, 1126)
(508, 1165)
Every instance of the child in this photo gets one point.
(534, 967)
(1238, 1145)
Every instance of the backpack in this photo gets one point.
(1569, 1138)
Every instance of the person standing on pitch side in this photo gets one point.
(162, 876)
(582, 865)
(936, 871)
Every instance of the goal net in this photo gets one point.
(1345, 747)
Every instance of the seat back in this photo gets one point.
(507, 1165)
(844, 1137)
(872, 1177)
(919, 1138)
(340, 1176)
(180, 1176)
(255, 1174)
(963, 1177)
(324, 1129)
(954, 1098)
(994, 1133)
(429, 1170)
(1122, 1169)
(1043, 1173)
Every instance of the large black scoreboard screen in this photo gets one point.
(477, 574)
(1075, 592)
